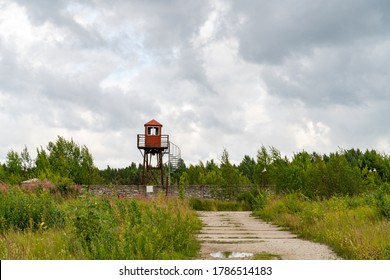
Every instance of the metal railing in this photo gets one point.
(141, 142)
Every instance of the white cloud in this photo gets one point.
(310, 135)
(233, 74)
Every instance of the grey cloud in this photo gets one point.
(275, 30)
(42, 11)
(325, 56)
(14, 76)
(350, 76)
(164, 23)
(322, 53)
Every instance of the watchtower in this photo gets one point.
(152, 145)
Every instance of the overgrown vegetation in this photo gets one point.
(63, 162)
(346, 172)
(354, 227)
(41, 225)
(217, 205)
(341, 199)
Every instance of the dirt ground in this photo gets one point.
(238, 235)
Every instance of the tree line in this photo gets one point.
(62, 162)
(345, 172)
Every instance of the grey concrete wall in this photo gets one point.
(141, 191)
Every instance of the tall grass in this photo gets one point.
(250, 200)
(352, 226)
(22, 209)
(96, 228)
(217, 205)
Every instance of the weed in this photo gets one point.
(353, 228)
(217, 205)
(97, 228)
(266, 256)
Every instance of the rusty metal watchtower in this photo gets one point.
(152, 145)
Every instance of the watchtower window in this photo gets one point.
(153, 131)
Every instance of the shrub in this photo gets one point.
(254, 199)
(218, 205)
(382, 199)
(352, 227)
(95, 227)
(25, 209)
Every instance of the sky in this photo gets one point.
(295, 75)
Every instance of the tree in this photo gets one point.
(225, 157)
(211, 165)
(196, 174)
(2, 172)
(247, 168)
(342, 178)
(231, 178)
(181, 168)
(316, 184)
(85, 171)
(63, 157)
(263, 158)
(43, 168)
(26, 162)
(276, 171)
(14, 168)
(290, 176)
(66, 162)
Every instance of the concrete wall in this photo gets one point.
(141, 191)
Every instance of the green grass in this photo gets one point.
(266, 256)
(354, 227)
(218, 205)
(89, 227)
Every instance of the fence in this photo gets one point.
(192, 191)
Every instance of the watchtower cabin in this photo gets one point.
(152, 144)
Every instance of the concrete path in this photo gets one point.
(238, 235)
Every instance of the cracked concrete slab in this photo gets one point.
(239, 232)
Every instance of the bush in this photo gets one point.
(29, 210)
(382, 199)
(217, 205)
(255, 199)
(42, 225)
(351, 226)
(111, 228)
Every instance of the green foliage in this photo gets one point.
(180, 169)
(70, 160)
(225, 178)
(352, 226)
(247, 168)
(181, 191)
(41, 225)
(2, 172)
(63, 160)
(254, 198)
(342, 179)
(382, 200)
(14, 168)
(218, 205)
(317, 176)
(29, 210)
(130, 175)
(43, 168)
(347, 172)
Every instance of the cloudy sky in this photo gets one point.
(296, 75)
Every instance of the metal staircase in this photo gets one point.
(174, 158)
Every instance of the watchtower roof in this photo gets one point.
(153, 122)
